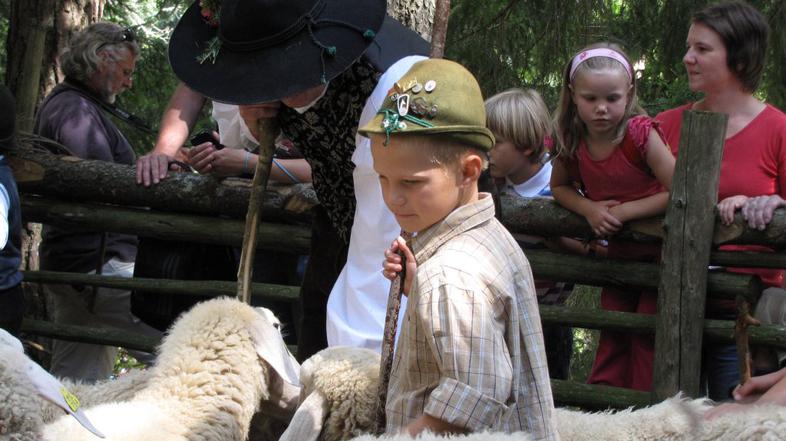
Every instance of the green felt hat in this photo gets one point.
(435, 97)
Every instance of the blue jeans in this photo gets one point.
(720, 370)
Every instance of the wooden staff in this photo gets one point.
(268, 131)
(744, 320)
(388, 341)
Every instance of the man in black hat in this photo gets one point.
(320, 67)
(12, 299)
(98, 64)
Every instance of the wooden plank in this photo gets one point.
(207, 288)
(548, 265)
(596, 397)
(689, 223)
(160, 225)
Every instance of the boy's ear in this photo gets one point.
(471, 168)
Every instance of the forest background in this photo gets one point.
(505, 43)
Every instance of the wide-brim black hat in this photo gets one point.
(271, 49)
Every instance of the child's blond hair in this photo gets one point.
(521, 117)
(569, 127)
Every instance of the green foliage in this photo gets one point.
(124, 363)
(5, 5)
(585, 341)
(527, 43)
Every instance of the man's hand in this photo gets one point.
(251, 114)
(152, 168)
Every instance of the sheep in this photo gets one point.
(206, 383)
(30, 397)
(339, 392)
(340, 387)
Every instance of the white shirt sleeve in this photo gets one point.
(232, 130)
(5, 204)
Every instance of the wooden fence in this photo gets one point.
(50, 185)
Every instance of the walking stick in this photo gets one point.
(389, 340)
(438, 32)
(268, 131)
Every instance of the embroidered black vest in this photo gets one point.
(325, 134)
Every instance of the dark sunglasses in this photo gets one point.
(126, 35)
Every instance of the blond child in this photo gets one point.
(470, 353)
(521, 165)
(609, 148)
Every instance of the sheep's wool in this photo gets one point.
(206, 384)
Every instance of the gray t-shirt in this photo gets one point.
(73, 119)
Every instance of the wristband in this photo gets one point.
(245, 162)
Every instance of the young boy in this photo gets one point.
(470, 352)
(519, 161)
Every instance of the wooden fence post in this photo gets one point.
(689, 223)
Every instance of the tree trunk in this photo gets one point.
(38, 32)
(29, 24)
(417, 15)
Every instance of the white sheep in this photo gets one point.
(340, 388)
(211, 375)
(30, 396)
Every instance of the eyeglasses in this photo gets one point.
(127, 35)
(123, 36)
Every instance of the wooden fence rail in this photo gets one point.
(48, 181)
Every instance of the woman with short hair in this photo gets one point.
(726, 47)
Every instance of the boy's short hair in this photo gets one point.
(744, 31)
(521, 117)
(443, 151)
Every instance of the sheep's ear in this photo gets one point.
(271, 348)
(52, 390)
(306, 424)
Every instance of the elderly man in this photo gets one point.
(98, 65)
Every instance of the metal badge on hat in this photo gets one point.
(408, 106)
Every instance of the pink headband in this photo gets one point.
(599, 52)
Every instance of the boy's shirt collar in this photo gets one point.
(535, 185)
(464, 218)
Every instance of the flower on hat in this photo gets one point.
(210, 11)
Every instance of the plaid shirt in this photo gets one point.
(470, 350)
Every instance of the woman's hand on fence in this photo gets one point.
(601, 220)
(391, 266)
(758, 210)
(728, 206)
(221, 163)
